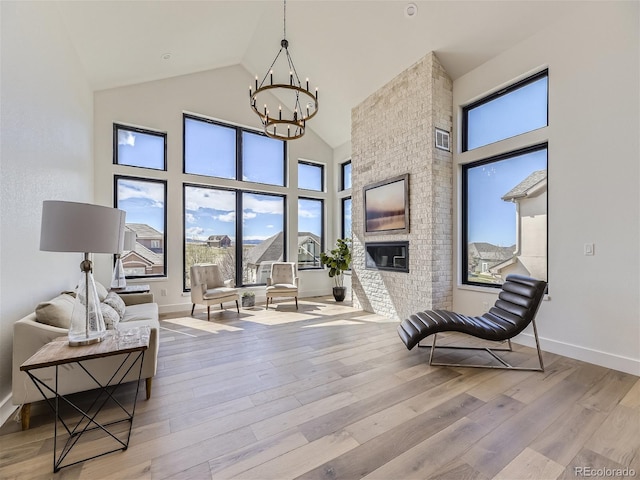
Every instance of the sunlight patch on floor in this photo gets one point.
(333, 323)
(203, 325)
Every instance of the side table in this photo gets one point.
(131, 345)
(132, 289)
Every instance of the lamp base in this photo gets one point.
(84, 340)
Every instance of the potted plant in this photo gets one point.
(338, 261)
(248, 298)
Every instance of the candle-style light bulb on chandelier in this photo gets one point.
(302, 105)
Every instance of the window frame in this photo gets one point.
(239, 230)
(493, 96)
(322, 231)
(322, 175)
(342, 167)
(465, 209)
(239, 166)
(186, 185)
(145, 131)
(164, 183)
(343, 200)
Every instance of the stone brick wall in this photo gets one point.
(392, 132)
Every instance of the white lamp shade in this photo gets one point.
(80, 227)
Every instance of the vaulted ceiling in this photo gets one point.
(348, 49)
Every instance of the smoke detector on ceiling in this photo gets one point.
(411, 10)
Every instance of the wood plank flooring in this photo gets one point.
(329, 392)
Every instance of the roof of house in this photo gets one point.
(213, 238)
(271, 249)
(150, 256)
(526, 186)
(488, 251)
(143, 230)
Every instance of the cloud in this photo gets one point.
(227, 217)
(248, 215)
(126, 138)
(196, 198)
(132, 189)
(194, 232)
(190, 218)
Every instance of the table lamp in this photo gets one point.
(83, 228)
(118, 280)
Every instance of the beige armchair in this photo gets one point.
(283, 281)
(208, 288)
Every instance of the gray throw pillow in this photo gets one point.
(114, 301)
(110, 316)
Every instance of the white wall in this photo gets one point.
(159, 105)
(45, 153)
(593, 313)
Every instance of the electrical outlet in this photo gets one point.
(163, 292)
(589, 249)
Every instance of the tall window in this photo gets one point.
(310, 176)
(209, 229)
(144, 200)
(346, 217)
(209, 148)
(263, 235)
(263, 159)
(310, 232)
(345, 175)
(139, 147)
(504, 197)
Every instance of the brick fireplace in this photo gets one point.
(393, 132)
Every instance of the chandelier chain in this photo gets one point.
(284, 21)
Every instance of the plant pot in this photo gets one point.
(248, 301)
(339, 293)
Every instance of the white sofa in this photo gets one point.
(30, 334)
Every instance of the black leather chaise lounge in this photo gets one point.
(515, 308)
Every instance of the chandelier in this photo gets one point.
(300, 102)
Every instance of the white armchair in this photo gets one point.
(208, 288)
(283, 281)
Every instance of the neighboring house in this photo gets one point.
(147, 236)
(148, 256)
(309, 249)
(142, 261)
(221, 241)
(530, 256)
(260, 257)
(484, 256)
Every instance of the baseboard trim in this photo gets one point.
(597, 357)
(7, 408)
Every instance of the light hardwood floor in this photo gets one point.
(329, 392)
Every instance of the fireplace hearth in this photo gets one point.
(391, 256)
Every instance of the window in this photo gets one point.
(209, 148)
(215, 149)
(263, 235)
(346, 217)
(505, 217)
(310, 176)
(310, 232)
(144, 200)
(138, 147)
(504, 197)
(345, 175)
(209, 229)
(263, 159)
(517, 109)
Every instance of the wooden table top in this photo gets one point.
(58, 351)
